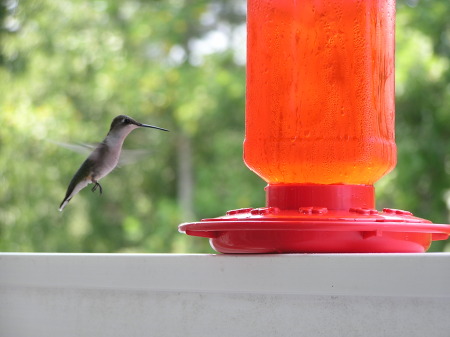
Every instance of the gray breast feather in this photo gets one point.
(105, 158)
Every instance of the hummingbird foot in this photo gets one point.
(96, 184)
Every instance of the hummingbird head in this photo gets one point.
(125, 124)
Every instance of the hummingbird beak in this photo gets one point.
(150, 126)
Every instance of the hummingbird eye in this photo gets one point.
(126, 121)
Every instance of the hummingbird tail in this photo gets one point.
(74, 187)
(63, 204)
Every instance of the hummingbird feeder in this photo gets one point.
(319, 129)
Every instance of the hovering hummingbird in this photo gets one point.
(104, 158)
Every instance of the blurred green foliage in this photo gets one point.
(68, 67)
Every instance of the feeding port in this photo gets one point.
(319, 129)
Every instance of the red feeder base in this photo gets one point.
(318, 219)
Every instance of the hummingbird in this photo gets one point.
(104, 158)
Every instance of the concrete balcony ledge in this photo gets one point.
(224, 295)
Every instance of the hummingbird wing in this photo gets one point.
(127, 157)
(83, 148)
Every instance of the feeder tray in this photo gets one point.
(318, 229)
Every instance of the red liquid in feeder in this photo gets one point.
(320, 91)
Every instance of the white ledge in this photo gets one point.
(424, 275)
(370, 295)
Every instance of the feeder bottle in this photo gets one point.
(320, 91)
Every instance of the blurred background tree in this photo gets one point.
(68, 67)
